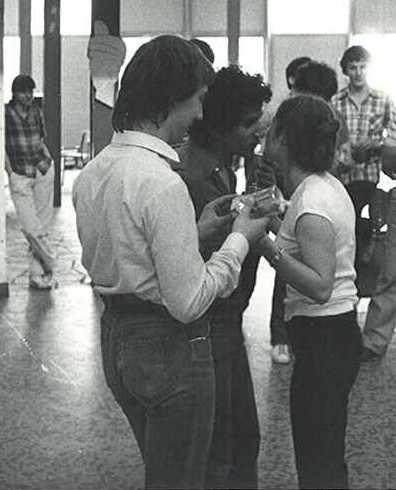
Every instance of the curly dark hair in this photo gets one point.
(317, 79)
(354, 53)
(163, 71)
(228, 98)
(310, 127)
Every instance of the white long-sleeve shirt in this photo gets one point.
(137, 228)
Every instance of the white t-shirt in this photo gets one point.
(322, 195)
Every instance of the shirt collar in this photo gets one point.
(345, 92)
(147, 141)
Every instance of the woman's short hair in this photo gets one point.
(162, 72)
(354, 53)
(232, 93)
(205, 48)
(309, 127)
(316, 78)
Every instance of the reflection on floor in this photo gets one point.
(60, 427)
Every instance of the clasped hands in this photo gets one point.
(251, 218)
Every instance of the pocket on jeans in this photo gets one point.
(149, 367)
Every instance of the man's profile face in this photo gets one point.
(184, 113)
(24, 98)
(356, 71)
(247, 135)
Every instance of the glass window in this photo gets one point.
(219, 46)
(132, 44)
(37, 25)
(251, 54)
(11, 52)
(309, 16)
(75, 17)
(382, 72)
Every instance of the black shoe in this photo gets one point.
(369, 355)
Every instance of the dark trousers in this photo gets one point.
(161, 375)
(361, 192)
(327, 357)
(236, 434)
(277, 319)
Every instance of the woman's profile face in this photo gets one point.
(276, 148)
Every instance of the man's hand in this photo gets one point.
(359, 151)
(252, 228)
(215, 216)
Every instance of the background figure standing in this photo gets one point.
(381, 315)
(31, 177)
(368, 113)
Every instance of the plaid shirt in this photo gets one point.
(23, 141)
(376, 119)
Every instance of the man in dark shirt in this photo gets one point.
(232, 110)
(31, 178)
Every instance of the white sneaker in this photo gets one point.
(280, 354)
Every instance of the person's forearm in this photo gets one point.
(298, 275)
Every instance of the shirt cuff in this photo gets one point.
(237, 242)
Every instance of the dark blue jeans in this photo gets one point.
(161, 374)
(327, 358)
(236, 434)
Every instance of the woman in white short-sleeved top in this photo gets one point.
(314, 252)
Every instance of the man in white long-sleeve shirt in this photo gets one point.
(137, 227)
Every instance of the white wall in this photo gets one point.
(284, 48)
(3, 271)
(74, 85)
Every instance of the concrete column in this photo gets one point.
(187, 15)
(267, 40)
(52, 88)
(233, 29)
(25, 36)
(3, 271)
(107, 11)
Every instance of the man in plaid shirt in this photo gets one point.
(31, 177)
(370, 116)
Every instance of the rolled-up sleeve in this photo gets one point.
(188, 285)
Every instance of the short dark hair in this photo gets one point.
(354, 53)
(163, 71)
(293, 66)
(317, 79)
(22, 83)
(310, 127)
(232, 93)
(205, 48)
